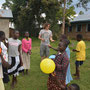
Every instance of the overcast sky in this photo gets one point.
(74, 2)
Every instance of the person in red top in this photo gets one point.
(26, 51)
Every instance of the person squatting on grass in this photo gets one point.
(26, 51)
(56, 80)
(80, 54)
(45, 36)
(15, 60)
(68, 75)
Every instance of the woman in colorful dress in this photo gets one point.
(5, 56)
(57, 79)
(2, 37)
(68, 76)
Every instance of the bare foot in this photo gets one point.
(77, 78)
(74, 74)
(12, 86)
(23, 73)
(27, 72)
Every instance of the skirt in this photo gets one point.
(15, 66)
(26, 60)
(52, 84)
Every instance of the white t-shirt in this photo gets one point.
(45, 34)
(5, 55)
(13, 47)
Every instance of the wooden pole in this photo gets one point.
(63, 24)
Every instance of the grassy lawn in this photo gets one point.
(36, 80)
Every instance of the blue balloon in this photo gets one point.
(52, 56)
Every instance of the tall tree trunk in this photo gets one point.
(63, 24)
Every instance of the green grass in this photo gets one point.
(36, 80)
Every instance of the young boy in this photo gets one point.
(80, 54)
(45, 36)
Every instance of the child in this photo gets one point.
(2, 36)
(5, 56)
(57, 79)
(26, 51)
(80, 54)
(68, 76)
(15, 59)
(45, 35)
(73, 87)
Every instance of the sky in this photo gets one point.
(81, 9)
(74, 2)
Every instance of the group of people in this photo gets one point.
(61, 77)
(14, 57)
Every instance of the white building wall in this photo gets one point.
(4, 26)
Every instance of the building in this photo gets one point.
(5, 16)
(79, 25)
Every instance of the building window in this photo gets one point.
(88, 27)
(70, 29)
(79, 28)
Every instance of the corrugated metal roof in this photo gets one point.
(81, 18)
(5, 13)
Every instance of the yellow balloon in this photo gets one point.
(47, 66)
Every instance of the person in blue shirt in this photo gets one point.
(68, 76)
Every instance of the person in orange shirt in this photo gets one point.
(80, 54)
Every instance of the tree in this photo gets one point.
(81, 3)
(64, 12)
(81, 12)
(27, 13)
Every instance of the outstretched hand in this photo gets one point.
(52, 40)
(49, 46)
(53, 74)
(73, 50)
(29, 52)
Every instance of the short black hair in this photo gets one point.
(63, 36)
(15, 31)
(1, 33)
(79, 36)
(66, 42)
(75, 86)
(26, 32)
